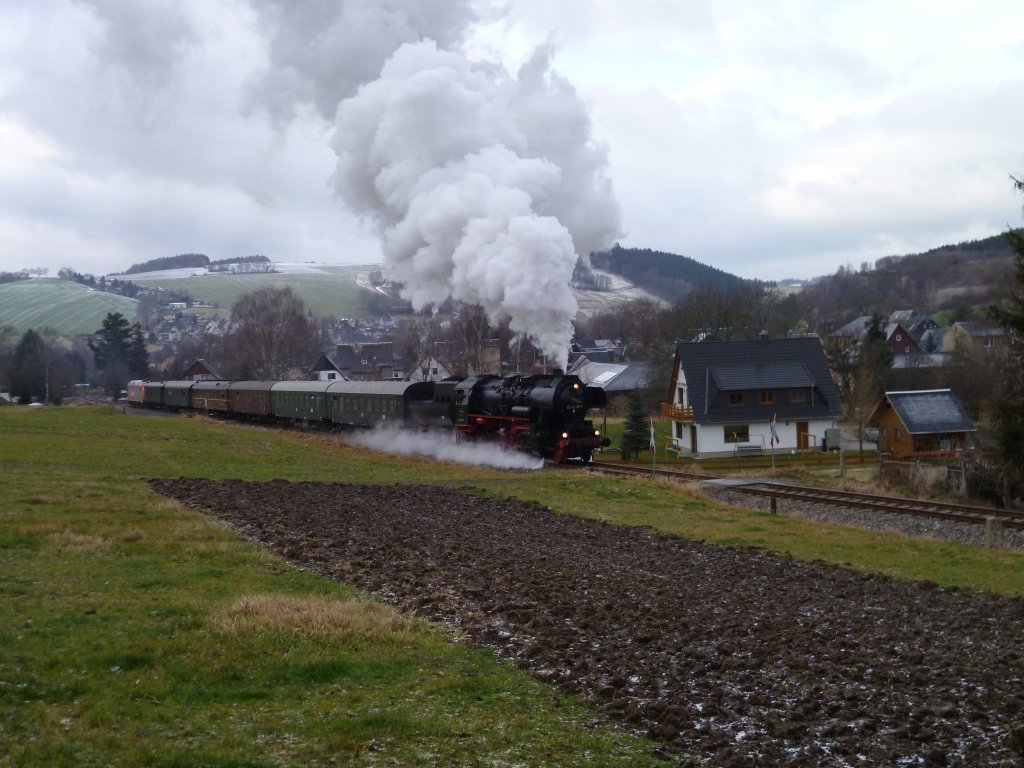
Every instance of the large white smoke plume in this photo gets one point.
(484, 185)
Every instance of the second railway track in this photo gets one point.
(961, 513)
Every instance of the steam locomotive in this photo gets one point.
(541, 414)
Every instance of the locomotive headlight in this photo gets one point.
(597, 433)
(565, 435)
(575, 385)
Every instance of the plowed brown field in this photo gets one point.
(733, 654)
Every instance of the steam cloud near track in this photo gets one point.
(483, 185)
(443, 446)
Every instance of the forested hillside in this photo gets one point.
(668, 276)
(956, 279)
(181, 261)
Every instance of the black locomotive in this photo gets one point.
(542, 414)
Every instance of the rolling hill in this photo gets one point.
(69, 308)
(325, 289)
(669, 276)
(73, 309)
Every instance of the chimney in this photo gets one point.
(763, 337)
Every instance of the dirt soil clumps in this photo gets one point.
(735, 655)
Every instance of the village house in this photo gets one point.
(428, 368)
(596, 351)
(971, 336)
(618, 380)
(357, 362)
(900, 340)
(200, 370)
(918, 422)
(730, 397)
(463, 360)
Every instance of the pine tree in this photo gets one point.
(1008, 414)
(636, 438)
(28, 375)
(138, 357)
(111, 350)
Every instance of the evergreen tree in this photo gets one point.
(1008, 414)
(7, 343)
(637, 436)
(111, 349)
(29, 375)
(138, 357)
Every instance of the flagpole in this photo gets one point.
(654, 446)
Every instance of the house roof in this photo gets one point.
(921, 360)
(928, 411)
(768, 375)
(858, 327)
(798, 362)
(855, 328)
(200, 367)
(612, 377)
(976, 329)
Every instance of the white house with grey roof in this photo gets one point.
(729, 397)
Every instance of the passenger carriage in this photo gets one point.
(302, 402)
(251, 398)
(211, 396)
(373, 403)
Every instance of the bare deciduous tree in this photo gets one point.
(272, 337)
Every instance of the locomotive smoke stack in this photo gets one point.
(483, 184)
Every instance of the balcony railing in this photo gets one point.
(676, 412)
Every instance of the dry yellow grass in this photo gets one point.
(77, 543)
(310, 615)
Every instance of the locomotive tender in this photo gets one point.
(542, 414)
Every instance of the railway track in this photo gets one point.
(961, 513)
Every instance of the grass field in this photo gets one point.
(73, 309)
(332, 292)
(69, 308)
(136, 632)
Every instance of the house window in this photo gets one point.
(899, 337)
(798, 395)
(735, 398)
(767, 397)
(737, 433)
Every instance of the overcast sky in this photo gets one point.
(769, 140)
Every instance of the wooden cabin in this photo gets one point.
(921, 422)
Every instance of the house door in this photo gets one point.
(801, 435)
(693, 438)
